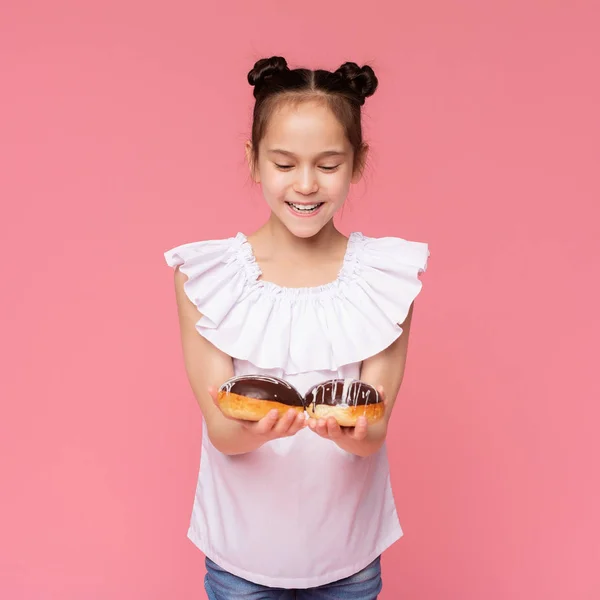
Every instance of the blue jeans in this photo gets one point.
(222, 585)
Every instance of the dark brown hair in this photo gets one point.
(344, 90)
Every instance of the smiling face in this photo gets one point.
(305, 166)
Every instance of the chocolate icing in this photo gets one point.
(262, 387)
(342, 392)
(335, 392)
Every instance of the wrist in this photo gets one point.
(371, 444)
(232, 438)
(377, 432)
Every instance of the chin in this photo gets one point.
(305, 227)
(307, 230)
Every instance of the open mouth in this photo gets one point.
(305, 209)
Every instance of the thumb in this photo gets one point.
(213, 391)
(384, 399)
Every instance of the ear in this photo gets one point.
(359, 163)
(251, 163)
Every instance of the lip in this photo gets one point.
(308, 215)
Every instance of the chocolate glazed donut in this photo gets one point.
(251, 397)
(345, 400)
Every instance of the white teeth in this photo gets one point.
(304, 207)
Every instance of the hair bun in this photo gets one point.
(361, 80)
(264, 69)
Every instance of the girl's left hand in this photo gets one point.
(362, 440)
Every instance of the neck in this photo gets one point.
(274, 234)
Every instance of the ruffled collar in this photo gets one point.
(247, 259)
(302, 329)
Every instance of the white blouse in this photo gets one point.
(298, 512)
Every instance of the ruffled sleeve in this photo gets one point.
(390, 272)
(215, 281)
(302, 329)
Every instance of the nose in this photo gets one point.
(306, 182)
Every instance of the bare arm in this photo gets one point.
(386, 369)
(207, 369)
(385, 372)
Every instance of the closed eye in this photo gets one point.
(288, 167)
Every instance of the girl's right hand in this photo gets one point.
(271, 426)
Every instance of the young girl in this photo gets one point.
(291, 507)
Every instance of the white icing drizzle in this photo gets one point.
(353, 392)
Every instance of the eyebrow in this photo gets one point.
(320, 155)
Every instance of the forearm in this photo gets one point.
(376, 435)
(231, 438)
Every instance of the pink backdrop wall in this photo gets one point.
(121, 132)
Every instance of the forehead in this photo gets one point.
(304, 127)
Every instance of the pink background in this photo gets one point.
(121, 130)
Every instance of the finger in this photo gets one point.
(298, 424)
(333, 429)
(321, 427)
(266, 424)
(360, 429)
(312, 424)
(381, 393)
(283, 425)
(383, 398)
(214, 394)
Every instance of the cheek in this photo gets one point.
(337, 187)
(274, 183)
